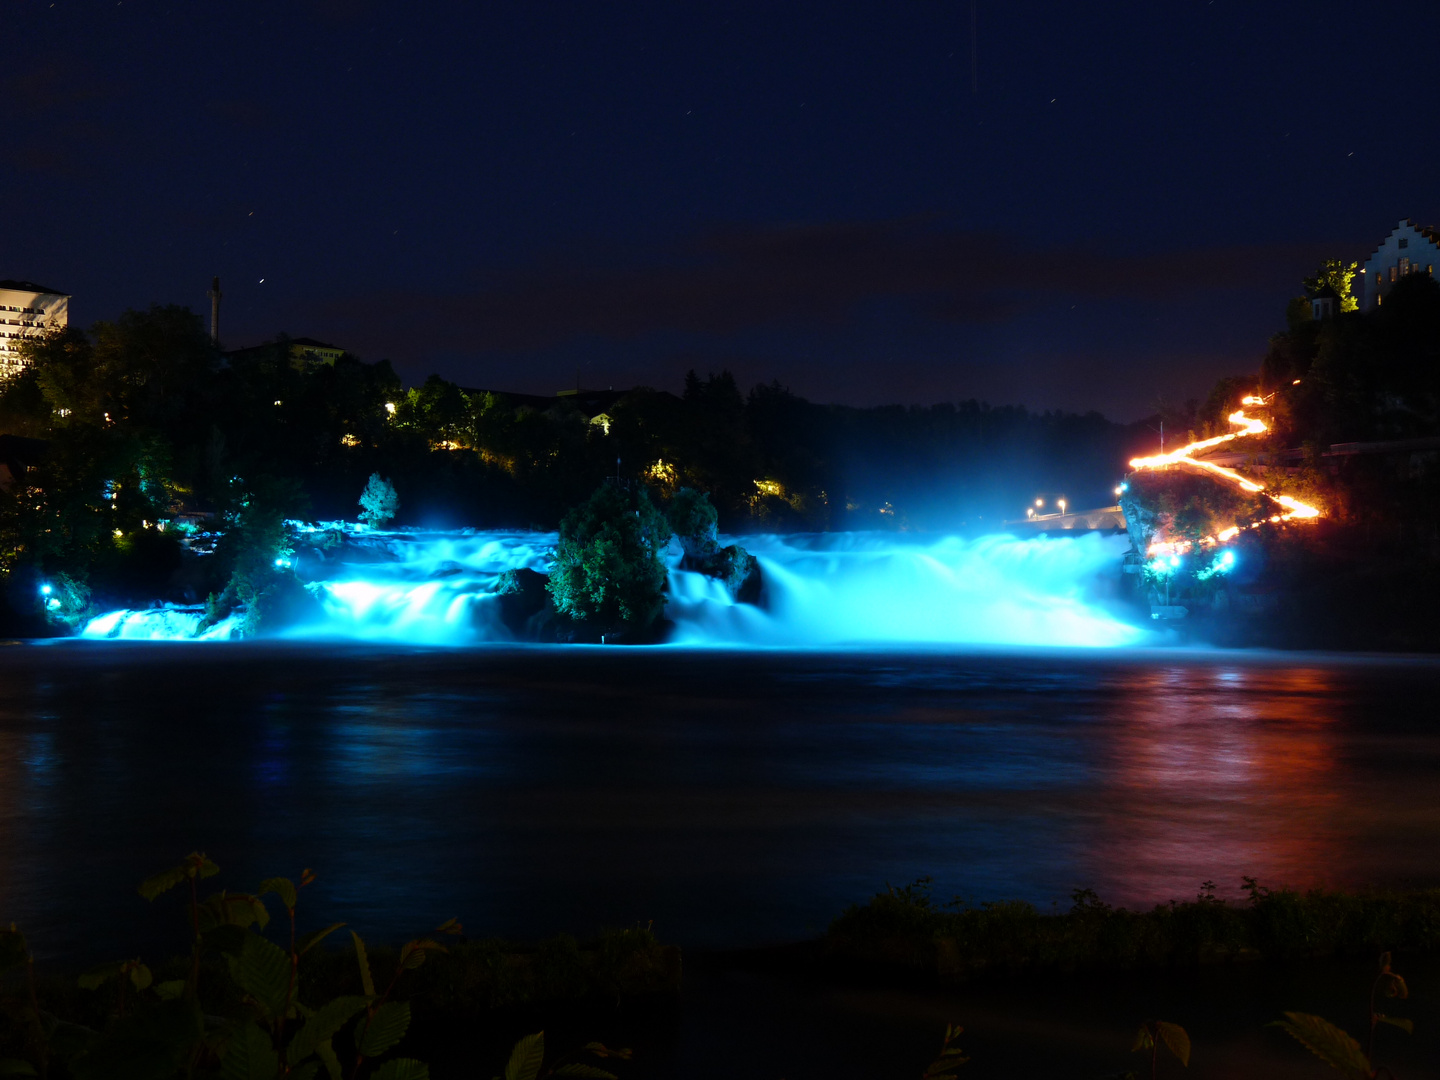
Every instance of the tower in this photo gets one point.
(215, 311)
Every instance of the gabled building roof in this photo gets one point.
(1429, 232)
(30, 286)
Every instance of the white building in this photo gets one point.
(27, 309)
(1409, 249)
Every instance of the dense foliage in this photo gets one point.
(250, 1004)
(609, 570)
(694, 522)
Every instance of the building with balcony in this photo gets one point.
(27, 310)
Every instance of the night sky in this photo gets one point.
(1110, 204)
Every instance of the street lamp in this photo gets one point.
(1062, 506)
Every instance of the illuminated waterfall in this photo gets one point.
(820, 590)
(837, 588)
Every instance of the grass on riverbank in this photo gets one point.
(906, 928)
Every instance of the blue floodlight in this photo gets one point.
(1175, 561)
(44, 590)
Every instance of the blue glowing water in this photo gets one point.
(819, 590)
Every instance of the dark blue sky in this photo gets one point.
(507, 192)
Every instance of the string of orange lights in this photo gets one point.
(1185, 457)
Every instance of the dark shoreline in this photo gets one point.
(792, 1011)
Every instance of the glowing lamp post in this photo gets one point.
(1062, 507)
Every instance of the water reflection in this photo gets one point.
(1217, 772)
(736, 798)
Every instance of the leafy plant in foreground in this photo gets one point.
(255, 1025)
(949, 1059)
(24, 1011)
(1154, 1034)
(527, 1061)
(1335, 1046)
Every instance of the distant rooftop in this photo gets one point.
(30, 286)
(302, 342)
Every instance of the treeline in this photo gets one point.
(769, 459)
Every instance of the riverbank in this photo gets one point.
(811, 1010)
(907, 930)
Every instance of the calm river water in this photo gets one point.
(734, 798)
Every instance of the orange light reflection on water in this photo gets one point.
(1214, 773)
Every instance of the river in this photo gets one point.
(733, 797)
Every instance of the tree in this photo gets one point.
(1225, 396)
(693, 520)
(438, 410)
(378, 502)
(1338, 276)
(609, 567)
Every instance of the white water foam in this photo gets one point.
(819, 590)
(166, 623)
(841, 588)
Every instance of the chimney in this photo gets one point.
(215, 311)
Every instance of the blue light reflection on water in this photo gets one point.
(734, 797)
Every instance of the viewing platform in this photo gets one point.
(1104, 519)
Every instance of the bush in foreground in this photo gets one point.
(905, 927)
(244, 1006)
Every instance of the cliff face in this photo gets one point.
(1183, 503)
(1141, 521)
(1365, 577)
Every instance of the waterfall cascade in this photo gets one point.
(819, 590)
